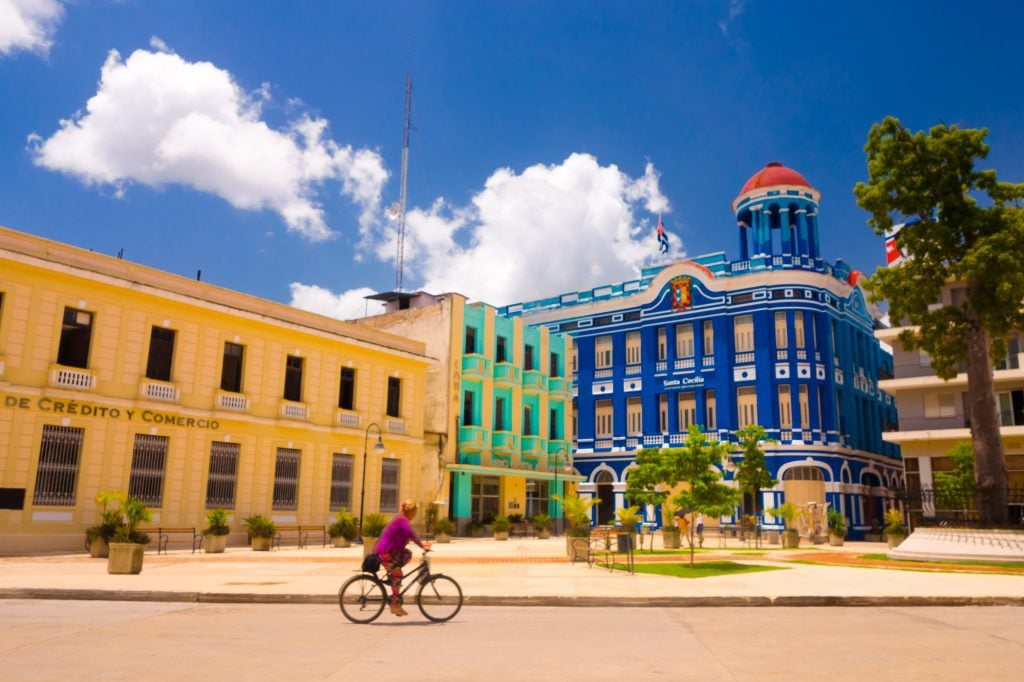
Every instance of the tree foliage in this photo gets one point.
(752, 473)
(968, 237)
(659, 470)
(954, 489)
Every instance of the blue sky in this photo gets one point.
(260, 142)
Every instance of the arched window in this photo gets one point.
(604, 476)
(803, 474)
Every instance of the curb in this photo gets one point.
(634, 602)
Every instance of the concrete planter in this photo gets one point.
(895, 539)
(341, 541)
(442, 538)
(125, 558)
(791, 538)
(99, 549)
(369, 543)
(670, 539)
(261, 544)
(215, 544)
(501, 535)
(835, 540)
(543, 534)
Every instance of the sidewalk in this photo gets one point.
(518, 572)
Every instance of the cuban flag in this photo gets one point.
(894, 255)
(662, 237)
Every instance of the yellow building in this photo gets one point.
(191, 397)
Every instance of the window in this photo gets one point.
(743, 333)
(785, 408)
(603, 419)
(220, 484)
(633, 348)
(662, 344)
(575, 422)
(57, 474)
(499, 415)
(684, 341)
(231, 372)
(286, 479)
(75, 336)
(803, 474)
(687, 410)
(711, 419)
(663, 413)
(528, 426)
(805, 408)
(394, 397)
(937, 405)
(146, 481)
(781, 331)
(554, 424)
(341, 482)
(470, 340)
(161, 352)
(746, 406)
(389, 472)
(573, 360)
(468, 398)
(347, 389)
(798, 329)
(553, 366)
(709, 337)
(500, 350)
(603, 352)
(634, 417)
(293, 379)
(529, 363)
(1011, 408)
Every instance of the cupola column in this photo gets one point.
(787, 244)
(801, 230)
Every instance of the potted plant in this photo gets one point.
(343, 531)
(443, 529)
(576, 510)
(215, 535)
(669, 528)
(789, 513)
(501, 526)
(97, 537)
(836, 528)
(542, 524)
(895, 531)
(129, 543)
(261, 532)
(476, 529)
(628, 518)
(373, 526)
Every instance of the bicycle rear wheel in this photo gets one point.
(439, 598)
(362, 598)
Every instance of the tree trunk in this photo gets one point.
(989, 454)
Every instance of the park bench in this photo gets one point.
(165, 535)
(520, 530)
(298, 533)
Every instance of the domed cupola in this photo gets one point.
(777, 216)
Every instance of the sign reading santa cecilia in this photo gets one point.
(77, 408)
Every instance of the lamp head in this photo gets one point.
(379, 446)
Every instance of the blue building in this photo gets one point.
(777, 337)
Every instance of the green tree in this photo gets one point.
(954, 489)
(692, 465)
(968, 234)
(752, 474)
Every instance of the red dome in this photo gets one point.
(772, 175)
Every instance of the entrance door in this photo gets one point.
(606, 507)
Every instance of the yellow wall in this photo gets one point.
(38, 279)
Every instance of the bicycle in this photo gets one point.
(362, 598)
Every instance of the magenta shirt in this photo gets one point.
(396, 536)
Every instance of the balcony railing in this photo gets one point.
(473, 438)
(294, 410)
(632, 370)
(504, 442)
(232, 401)
(685, 363)
(81, 379)
(476, 366)
(744, 358)
(534, 446)
(158, 391)
(394, 425)
(346, 418)
(559, 385)
(506, 374)
(534, 381)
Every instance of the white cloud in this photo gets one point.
(547, 230)
(736, 8)
(28, 25)
(345, 306)
(158, 119)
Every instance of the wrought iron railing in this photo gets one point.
(961, 506)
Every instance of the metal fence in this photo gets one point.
(939, 506)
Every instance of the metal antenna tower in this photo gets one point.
(404, 182)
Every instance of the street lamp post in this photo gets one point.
(558, 462)
(379, 447)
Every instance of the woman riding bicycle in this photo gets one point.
(393, 554)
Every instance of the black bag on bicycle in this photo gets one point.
(371, 563)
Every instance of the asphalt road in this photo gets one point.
(81, 640)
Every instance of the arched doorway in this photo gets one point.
(872, 504)
(606, 493)
(803, 485)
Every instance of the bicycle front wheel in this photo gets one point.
(362, 598)
(439, 598)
